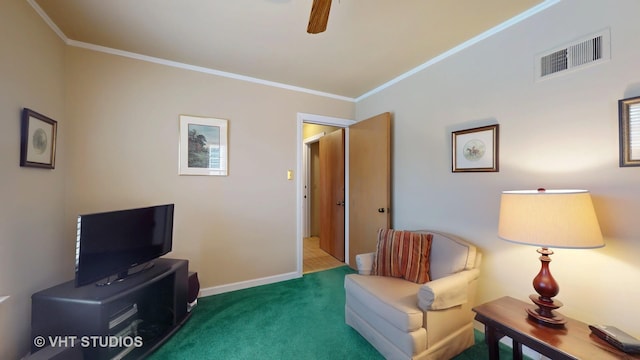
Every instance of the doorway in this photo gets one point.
(317, 126)
(323, 163)
(367, 176)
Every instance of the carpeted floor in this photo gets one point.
(296, 319)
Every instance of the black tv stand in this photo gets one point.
(126, 320)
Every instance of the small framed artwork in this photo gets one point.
(37, 140)
(629, 118)
(475, 150)
(203, 146)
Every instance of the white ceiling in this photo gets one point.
(367, 43)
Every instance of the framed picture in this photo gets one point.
(203, 146)
(37, 140)
(475, 150)
(629, 117)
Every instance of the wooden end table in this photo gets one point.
(507, 316)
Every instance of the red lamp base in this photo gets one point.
(546, 287)
(544, 314)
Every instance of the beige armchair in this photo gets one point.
(406, 320)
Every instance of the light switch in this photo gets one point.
(289, 174)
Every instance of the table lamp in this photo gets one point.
(549, 219)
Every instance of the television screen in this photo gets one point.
(110, 243)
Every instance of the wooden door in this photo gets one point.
(332, 199)
(369, 183)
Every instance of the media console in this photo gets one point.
(124, 320)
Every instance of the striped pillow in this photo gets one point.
(403, 254)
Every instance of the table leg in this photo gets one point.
(492, 338)
(517, 350)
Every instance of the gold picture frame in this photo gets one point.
(37, 140)
(475, 150)
(629, 130)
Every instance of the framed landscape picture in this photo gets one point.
(37, 140)
(629, 118)
(475, 150)
(203, 146)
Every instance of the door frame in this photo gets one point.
(302, 205)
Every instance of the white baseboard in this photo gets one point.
(248, 284)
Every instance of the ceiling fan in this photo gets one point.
(319, 16)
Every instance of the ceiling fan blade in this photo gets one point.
(319, 16)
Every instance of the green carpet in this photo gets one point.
(296, 319)
(480, 351)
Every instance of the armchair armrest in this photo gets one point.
(446, 292)
(364, 262)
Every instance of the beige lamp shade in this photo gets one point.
(549, 218)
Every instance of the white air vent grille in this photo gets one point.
(553, 63)
(593, 50)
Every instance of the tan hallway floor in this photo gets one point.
(316, 259)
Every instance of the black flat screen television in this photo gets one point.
(110, 244)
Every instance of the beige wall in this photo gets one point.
(557, 133)
(123, 152)
(309, 130)
(32, 255)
